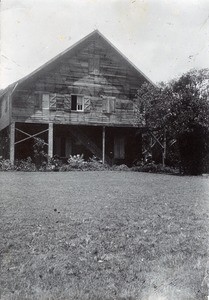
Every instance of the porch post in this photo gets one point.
(164, 147)
(103, 144)
(12, 143)
(50, 140)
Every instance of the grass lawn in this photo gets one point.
(103, 235)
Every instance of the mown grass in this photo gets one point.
(103, 235)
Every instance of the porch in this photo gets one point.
(112, 145)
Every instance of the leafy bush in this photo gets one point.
(94, 164)
(122, 167)
(20, 165)
(77, 162)
(5, 165)
(25, 165)
(155, 168)
(40, 155)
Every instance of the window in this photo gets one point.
(77, 102)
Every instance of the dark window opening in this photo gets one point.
(77, 102)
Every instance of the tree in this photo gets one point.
(189, 119)
(181, 108)
(154, 111)
(153, 103)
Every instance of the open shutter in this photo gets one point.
(87, 103)
(53, 102)
(67, 102)
(59, 102)
(45, 101)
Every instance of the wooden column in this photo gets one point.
(103, 144)
(164, 147)
(12, 143)
(50, 140)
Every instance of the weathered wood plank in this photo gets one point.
(114, 78)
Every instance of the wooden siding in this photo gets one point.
(4, 111)
(97, 73)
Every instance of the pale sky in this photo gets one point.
(163, 38)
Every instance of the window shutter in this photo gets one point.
(59, 102)
(67, 102)
(87, 103)
(108, 104)
(53, 102)
(45, 101)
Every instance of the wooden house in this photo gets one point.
(80, 102)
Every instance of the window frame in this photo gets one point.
(81, 97)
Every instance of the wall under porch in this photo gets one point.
(113, 145)
(24, 144)
(122, 146)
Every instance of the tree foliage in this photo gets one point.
(190, 102)
(154, 104)
(182, 108)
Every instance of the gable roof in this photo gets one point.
(70, 51)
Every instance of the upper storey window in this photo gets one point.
(94, 65)
(77, 102)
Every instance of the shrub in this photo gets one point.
(94, 164)
(25, 165)
(40, 155)
(5, 165)
(122, 167)
(76, 162)
(20, 165)
(155, 168)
